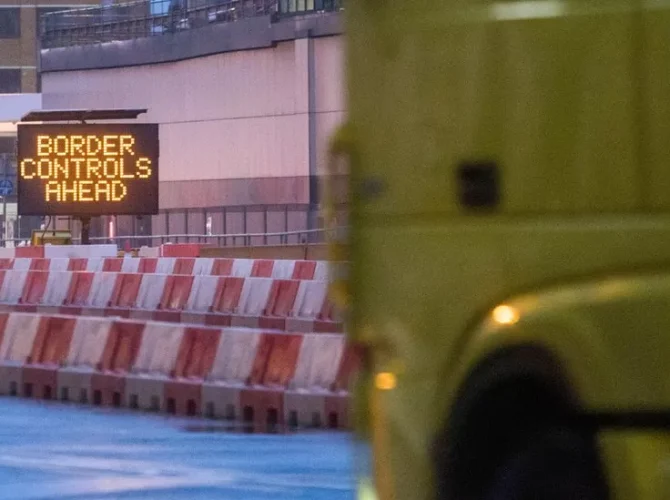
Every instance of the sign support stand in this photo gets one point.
(85, 230)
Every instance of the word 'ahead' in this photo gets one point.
(88, 169)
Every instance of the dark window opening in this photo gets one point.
(10, 78)
(10, 22)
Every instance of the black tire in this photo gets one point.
(553, 464)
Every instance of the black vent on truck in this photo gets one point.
(478, 184)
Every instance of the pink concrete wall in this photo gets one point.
(239, 115)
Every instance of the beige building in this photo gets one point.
(19, 29)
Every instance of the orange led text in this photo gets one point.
(86, 168)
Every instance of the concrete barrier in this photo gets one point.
(268, 380)
(277, 295)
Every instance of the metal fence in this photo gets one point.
(320, 235)
(220, 240)
(268, 225)
(258, 225)
(125, 21)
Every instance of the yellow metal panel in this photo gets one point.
(656, 105)
(637, 464)
(418, 292)
(547, 89)
(569, 97)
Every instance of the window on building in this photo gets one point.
(10, 22)
(291, 6)
(7, 145)
(7, 165)
(10, 81)
(159, 7)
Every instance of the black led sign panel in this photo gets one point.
(88, 169)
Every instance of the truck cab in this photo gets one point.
(509, 246)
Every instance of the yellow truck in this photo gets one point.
(509, 247)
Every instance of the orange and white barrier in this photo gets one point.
(35, 260)
(251, 302)
(266, 379)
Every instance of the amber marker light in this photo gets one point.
(385, 381)
(505, 315)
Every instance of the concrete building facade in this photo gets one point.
(20, 24)
(245, 110)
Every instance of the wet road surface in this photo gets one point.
(55, 451)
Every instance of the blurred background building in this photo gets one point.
(246, 92)
(20, 25)
(20, 83)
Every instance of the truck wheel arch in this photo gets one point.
(511, 393)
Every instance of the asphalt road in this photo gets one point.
(55, 451)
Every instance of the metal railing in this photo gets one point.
(125, 21)
(312, 236)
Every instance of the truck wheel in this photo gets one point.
(554, 464)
